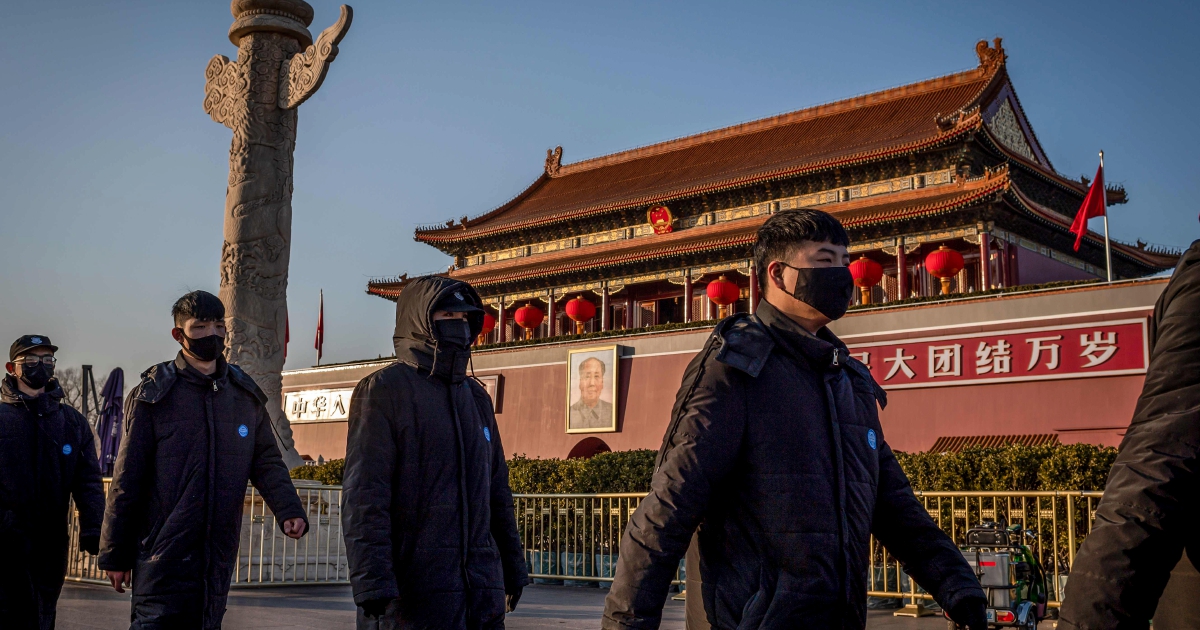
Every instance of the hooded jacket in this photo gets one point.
(47, 457)
(775, 452)
(1147, 515)
(426, 507)
(175, 505)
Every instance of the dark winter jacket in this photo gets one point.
(1149, 510)
(175, 506)
(47, 456)
(426, 508)
(775, 452)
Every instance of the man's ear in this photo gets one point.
(775, 275)
(11, 367)
(177, 334)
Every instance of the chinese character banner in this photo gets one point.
(1076, 351)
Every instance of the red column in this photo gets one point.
(605, 318)
(687, 295)
(1002, 259)
(551, 319)
(901, 270)
(753, 288)
(985, 262)
(501, 323)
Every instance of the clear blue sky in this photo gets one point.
(112, 178)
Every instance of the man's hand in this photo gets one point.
(511, 598)
(971, 613)
(295, 527)
(119, 580)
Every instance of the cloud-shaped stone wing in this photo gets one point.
(305, 71)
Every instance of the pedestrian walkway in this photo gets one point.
(85, 607)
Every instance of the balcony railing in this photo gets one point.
(575, 538)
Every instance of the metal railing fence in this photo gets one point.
(265, 556)
(575, 538)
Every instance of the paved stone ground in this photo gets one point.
(85, 607)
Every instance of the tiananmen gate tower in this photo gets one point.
(974, 310)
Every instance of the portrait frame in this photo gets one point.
(609, 396)
(491, 384)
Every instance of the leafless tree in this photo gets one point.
(71, 381)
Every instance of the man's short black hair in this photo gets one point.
(200, 305)
(785, 230)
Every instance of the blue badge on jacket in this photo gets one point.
(871, 438)
(244, 431)
(487, 434)
(66, 449)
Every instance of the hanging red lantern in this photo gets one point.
(723, 293)
(867, 273)
(580, 311)
(489, 324)
(529, 317)
(944, 263)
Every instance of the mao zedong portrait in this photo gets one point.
(590, 411)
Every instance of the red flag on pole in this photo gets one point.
(320, 343)
(1094, 205)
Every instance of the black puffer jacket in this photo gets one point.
(426, 507)
(47, 456)
(175, 505)
(775, 451)
(1149, 510)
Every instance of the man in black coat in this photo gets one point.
(775, 452)
(47, 457)
(196, 431)
(1148, 514)
(431, 537)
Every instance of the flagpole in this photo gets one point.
(1107, 247)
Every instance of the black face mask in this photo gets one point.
(36, 377)
(205, 348)
(452, 349)
(827, 289)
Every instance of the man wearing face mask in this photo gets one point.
(427, 514)
(775, 459)
(196, 432)
(47, 457)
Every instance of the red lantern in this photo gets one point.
(529, 317)
(580, 311)
(867, 273)
(723, 293)
(489, 324)
(945, 263)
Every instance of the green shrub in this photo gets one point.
(622, 471)
(329, 474)
(1014, 467)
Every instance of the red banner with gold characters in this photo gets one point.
(1051, 352)
(660, 219)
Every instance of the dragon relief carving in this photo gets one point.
(247, 341)
(553, 161)
(306, 71)
(252, 265)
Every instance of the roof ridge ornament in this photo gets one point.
(553, 161)
(990, 58)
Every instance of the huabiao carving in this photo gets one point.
(278, 67)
